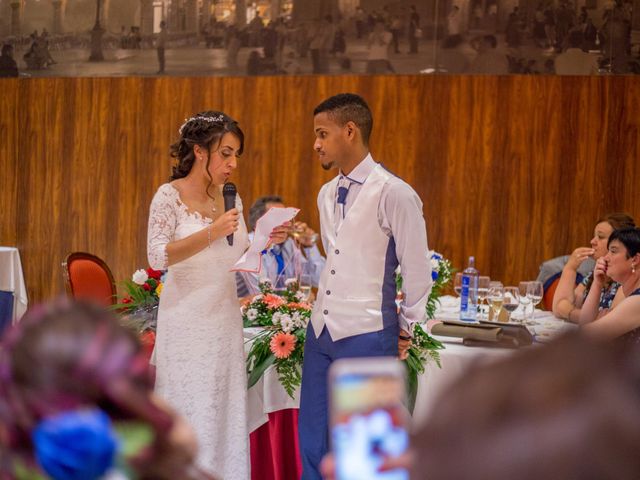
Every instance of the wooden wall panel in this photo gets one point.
(513, 170)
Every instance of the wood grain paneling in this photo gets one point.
(513, 170)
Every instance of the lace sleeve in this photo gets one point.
(162, 226)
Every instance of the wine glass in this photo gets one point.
(483, 292)
(534, 292)
(305, 281)
(525, 301)
(496, 299)
(511, 300)
(457, 283)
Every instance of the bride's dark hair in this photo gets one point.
(204, 129)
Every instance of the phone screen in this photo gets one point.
(368, 425)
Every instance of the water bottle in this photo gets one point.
(469, 293)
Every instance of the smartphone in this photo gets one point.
(368, 417)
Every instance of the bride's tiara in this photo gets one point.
(215, 119)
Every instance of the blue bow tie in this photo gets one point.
(342, 195)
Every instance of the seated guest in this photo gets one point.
(282, 261)
(568, 298)
(76, 398)
(622, 265)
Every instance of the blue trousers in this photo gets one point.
(319, 353)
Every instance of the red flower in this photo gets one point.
(126, 300)
(155, 274)
(147, 287)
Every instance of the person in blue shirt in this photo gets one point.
(297, 255)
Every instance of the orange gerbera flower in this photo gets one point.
(300, 305)
(273, 301)
(282, 344)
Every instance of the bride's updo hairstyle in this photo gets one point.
(205, 129)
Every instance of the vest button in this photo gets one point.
(328, 292)
(337, 252)
(326, 312)
(333, 272)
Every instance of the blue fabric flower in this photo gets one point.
(434, 275)
(76, 445)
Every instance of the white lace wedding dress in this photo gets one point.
(199, 352)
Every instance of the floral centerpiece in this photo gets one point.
(423, 346)
(138, 307)
(282, 318)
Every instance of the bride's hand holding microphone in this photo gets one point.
(226, 224)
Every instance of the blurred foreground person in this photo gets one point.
(76, 402)
(568, 410)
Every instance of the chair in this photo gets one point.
(549, 289)
(549, 275)
(88, 277)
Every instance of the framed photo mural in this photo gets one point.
(61, 38)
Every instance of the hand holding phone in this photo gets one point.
(368, 419)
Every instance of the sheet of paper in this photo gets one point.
(274, 217)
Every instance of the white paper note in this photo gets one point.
(274, 217)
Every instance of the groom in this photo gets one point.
(371, 222)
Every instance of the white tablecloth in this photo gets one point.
(457, 358)
(12, 280)
(267, 395)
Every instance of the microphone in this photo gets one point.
(229, 192)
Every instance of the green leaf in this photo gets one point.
(259, 370)
(134, 436)
(412, 389)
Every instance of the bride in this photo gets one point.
(199, 352)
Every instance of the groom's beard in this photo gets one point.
(327, 166)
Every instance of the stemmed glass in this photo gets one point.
(457, 283)
(305, 282)
(525, 301)
(535, 292)
(483, 293)
(496, 298)
(511, 300)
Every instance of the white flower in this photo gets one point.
(287, 323)
(140, 277)
(266, 280)
(257, 297)
(252, 314)
(298, 320)
(276, 318)
(290, 281)
(435, 265)
(300, 296)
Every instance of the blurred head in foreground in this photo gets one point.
(76, 401)
(567, 410)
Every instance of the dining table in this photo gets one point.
(13, 292)
(273, 413)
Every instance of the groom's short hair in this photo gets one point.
(348, 107)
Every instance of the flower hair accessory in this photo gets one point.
(77, 444)
(215, 119)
